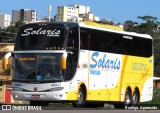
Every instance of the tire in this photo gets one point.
(128, 98)
(135, 98)
(127, 102)
(81, 98)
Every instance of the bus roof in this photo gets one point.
(111, 28)
(95, 24)
(92, 25)
(60, 24)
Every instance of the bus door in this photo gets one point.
(72, 51)
(85, 46)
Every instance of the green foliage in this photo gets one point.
(18, 24)
(156, 45)
(148, 26)
(156, 96)
(11, 32)
(130, 26)
(155, 100)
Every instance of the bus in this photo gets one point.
(81, 63)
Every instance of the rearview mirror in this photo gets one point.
(5, 61)
(64, 61)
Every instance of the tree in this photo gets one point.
(149, 24)
(156, 44)
(18, 24)
(11, 31)
(130, 26)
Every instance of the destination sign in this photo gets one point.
(27, 59)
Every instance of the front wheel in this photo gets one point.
(81, 98)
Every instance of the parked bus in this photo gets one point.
(80, 63)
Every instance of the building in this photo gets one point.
(66, 13)
(75, 13)
(25, 15)
(88, 17)
(156, 82)
(4, 20)
(158, 28)
(5, 75)
(105, 20)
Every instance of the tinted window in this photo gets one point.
(84, 39)
(127, 45)
(115, 43)
(137, 46)
(41, 38)
(147, 47)
(73, 50)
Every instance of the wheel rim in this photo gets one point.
(135, 98)
(80, 97)
(128, 98)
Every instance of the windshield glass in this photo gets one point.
(37, 67)
(41, 38)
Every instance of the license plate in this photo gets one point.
(35, 96)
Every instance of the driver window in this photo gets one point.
(73, 39)
(72, 48)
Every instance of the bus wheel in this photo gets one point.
(128, 98)
(81, 98)
(135, 99)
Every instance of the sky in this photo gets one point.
(115, 10)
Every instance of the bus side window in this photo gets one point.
(73, 39)
(95, 41)
(109, 42)
(127, 46)
(137, 46)
(147, 48)
(117, 44)
(71, 42)
(84, 40)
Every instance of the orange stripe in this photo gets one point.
(122, 73)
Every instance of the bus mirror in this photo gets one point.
(5, 61)
(64, 61)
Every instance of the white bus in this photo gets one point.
(80, 63)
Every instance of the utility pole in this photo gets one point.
(49, 12)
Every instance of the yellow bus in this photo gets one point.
(81, 63)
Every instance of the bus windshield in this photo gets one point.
(37, 67)
(41, 38)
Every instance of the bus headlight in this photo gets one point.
(57, 89)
